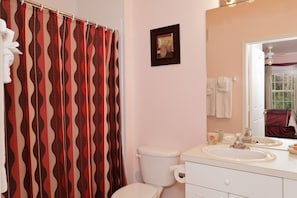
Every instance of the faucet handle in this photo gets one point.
(237, 135)
(247, 136)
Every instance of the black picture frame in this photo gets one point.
(165, 45)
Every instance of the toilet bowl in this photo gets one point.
(156, 169)
(137, 190)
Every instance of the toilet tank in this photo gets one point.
(156, 165)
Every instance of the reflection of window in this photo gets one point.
(283, 91)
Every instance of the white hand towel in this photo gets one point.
(3, 26)
(223, 84)
(211, 97)
(224, 97)
(9, 48)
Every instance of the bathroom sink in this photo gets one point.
(260, 141)
(226, 152)
(265, 141)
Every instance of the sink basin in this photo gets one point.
(226, 152)
(265, 141)
(260, 141)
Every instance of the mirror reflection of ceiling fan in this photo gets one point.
(269, 55)
(277, 51)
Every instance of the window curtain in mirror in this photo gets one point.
(295, 100)
(268, 87)
(63, 134)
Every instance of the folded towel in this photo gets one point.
(223, 104)
(9, 47)
(223, 84)
(211, 97)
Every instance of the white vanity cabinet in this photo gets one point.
(207, 181)
(290, 188)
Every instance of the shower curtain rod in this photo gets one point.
(71, 16)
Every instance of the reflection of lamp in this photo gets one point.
(268, 56)
(232, 3)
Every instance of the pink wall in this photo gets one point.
(107, 13)
(164, 106)
(228, 30)
(66, 6)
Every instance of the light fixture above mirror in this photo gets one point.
(232, 3)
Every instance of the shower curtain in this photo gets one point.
(63, 132)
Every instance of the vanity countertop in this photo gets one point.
(284, 165)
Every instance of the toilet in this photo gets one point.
(156, 167)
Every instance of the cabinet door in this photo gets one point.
(290, 188)
(193, 191)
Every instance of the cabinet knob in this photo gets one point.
(227, 182)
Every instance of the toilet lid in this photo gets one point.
(136, 190)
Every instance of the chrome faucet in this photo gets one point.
(239, 144)
(247, 136)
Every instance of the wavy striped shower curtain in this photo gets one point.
(63, 135)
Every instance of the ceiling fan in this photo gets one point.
(269, 55)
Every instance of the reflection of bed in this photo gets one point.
(280, 123)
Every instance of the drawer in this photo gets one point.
(201, 192)
(233, 181)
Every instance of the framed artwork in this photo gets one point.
(165, 46)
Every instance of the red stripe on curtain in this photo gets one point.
(5, 12)
(90, 30)
(67, 105)
(37, 76)
(98, 116)
(56, 102)
(23, 98)
(81, 117)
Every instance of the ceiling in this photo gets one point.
(282, 47)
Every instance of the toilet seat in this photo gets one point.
(136, 190)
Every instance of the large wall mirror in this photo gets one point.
(251, 57)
